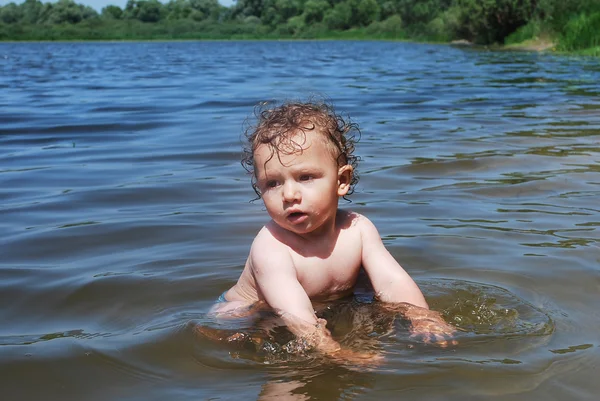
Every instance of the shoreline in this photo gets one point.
(538, 45)
(533, 45)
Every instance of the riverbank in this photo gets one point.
(533, 45)
(541, 44)
(547, 45)
(572, 25)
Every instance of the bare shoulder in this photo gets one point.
(355, 221)
(264, 237)
(265, 240)
(368, 233)
(268, 249)
(349, 220)
(271, 237)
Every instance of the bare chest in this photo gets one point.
(327, 275)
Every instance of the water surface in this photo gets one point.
(125, 213)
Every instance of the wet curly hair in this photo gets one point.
(279, 126)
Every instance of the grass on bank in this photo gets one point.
(580, 35)
(581, 32)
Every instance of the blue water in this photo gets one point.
(124, 212)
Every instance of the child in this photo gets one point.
(301, 159)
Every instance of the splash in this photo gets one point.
(484, 309)
(477, 310)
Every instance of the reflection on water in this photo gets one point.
(125, 213)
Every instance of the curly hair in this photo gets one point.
(279, 128)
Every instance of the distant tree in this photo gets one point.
(178, 9)
(149, 11)
(252, 20)
(66, 11)
(278, 12)
(271, 16)
(143, 10)
(339, 17)
(421, 12)
(314, 10)
(246, 8)
(112, 12)
(352, 13)
(388, 8)
(389, 27)
(45, 13)
(11, 14)
(366, 11)
(295, 25)
(131, 9)
(32, 10)
(288, 8)
(208, 8)
(489, 21)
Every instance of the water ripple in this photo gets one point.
(125, 213)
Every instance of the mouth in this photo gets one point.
(297, 217)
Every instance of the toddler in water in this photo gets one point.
(301, 159)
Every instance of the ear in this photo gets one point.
(344, 179)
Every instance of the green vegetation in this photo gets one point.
(573, 25)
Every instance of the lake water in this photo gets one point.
(125, 212)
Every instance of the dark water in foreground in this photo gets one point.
(124, 214)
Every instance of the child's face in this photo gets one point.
(301, 190)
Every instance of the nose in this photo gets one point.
(291, 191)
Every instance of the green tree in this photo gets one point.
(32, 10)
(388, 8)
(66, 12)
(278, 12)
(149, 11)
(11, 14)
(389, 28)
(208, 8)
(366, 11)
(295, 25)
(339, 17)
(489, 21)
(131, 9)
(144, 10)
(112, 12)
(314, 10)
(246, 8)
(420, 12)
(178, 9)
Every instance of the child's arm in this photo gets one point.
(276, 280)
(394, 287)
(390, 281)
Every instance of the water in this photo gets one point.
(125, 213)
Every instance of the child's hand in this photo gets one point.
(426, 325)
(319, 338)
(430, 326)
(357, 359)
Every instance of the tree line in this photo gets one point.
(573, 23)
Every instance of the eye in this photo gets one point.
(306, 177)
(271, 184)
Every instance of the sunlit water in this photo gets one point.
(125, 213)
